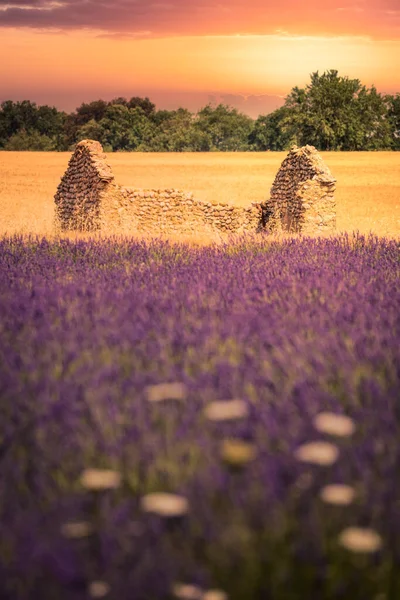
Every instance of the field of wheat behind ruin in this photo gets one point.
(368, 184)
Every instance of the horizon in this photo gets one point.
(251, 105)
(65, 53)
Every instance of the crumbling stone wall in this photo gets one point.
(81, 197)
(176, 211)
(89, 199)
(302, 195)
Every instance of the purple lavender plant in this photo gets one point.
(274, 500)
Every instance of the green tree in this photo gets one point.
(126, 128)
(160, 116)
(120, 100)
(331, 113)
(337, 113)
(372, 112)
(177, 132)
(92, 111)
(91, 131)
(8, 122)
(14, 117)
(144, 103)
(227, 128)
(268, 133)
(25, 119)
(51, 123)
(393, 104)
(33, 141)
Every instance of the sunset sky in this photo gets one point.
(247, 53)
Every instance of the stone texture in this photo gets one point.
(302, 195)
(176, 211)
(83, 187)
(88, 199)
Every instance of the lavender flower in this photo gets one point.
(269, 353)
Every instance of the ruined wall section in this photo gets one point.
(82, 197)
(176, 211)
(302, 195)
(88, 199)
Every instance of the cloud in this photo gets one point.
(9, 3)
(126, 35)
(122, 18)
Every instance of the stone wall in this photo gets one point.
(88, 199)
(176, 211)
(302, 195)
(81, 196)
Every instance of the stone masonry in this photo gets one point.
(302, 195)
(175, 211)
(86, 184)
(88, 199)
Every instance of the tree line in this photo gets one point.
(331, 113)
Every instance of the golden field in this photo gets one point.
(368, 184)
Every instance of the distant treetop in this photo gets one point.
(331, 113)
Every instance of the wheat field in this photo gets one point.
(368, 184)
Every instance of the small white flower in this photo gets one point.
(98, 589)
(184, 591)
(226, 410)
(215, 595)
(333, 424)
(237, 453)
(76, 529)
(100, 479)
(319, 453)
(358, 539)
(164, 504)
(166, 391)
(338, 494)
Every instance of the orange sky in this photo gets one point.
(186, 52)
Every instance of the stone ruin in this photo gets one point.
(88, 199)
(84, 189)
(302, 195)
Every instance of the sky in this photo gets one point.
(246, 53)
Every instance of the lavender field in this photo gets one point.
(216, 423)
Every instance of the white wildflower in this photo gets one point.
(76, 529)
(184, 591)
(357, 539)
(226, 410)
(237, 452)
(100, 479)
(215, 595)
(333, 424)
(166, 391)
(98, 589)
(338, 494)
(319, 453)
(164, 504)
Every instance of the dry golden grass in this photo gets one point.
(368, 184)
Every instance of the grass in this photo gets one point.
(368, 184)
